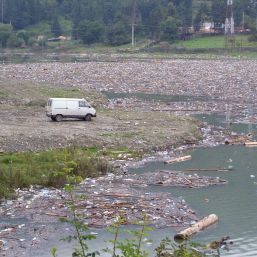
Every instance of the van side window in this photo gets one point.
(82, 104)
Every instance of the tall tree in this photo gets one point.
(5, 33)
(201, 15)
(170, 30)
(218, 11)
(56, 27)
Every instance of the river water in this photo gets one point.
(234, 203)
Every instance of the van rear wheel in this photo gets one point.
(58, 117)
(88, 117)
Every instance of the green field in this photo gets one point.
(215, 42)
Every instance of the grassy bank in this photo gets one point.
(72, 51)
(216, 42)
(55, 168)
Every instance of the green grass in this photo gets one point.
(215, 42)
(3, 94)
(51, 168)
(55, 168)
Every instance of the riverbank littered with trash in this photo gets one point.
(33, 217)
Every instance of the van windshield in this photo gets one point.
(83, 104)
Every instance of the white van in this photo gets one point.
(59, 108)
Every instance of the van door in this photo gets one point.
(83, 108)
(72, 108)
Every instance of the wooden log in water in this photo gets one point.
(250, 144)
(179, 159)
(197, 227)
(235, 140)
(214, 169)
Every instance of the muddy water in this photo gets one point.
(235, 203)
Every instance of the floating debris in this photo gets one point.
(174, 178)
(179, 159)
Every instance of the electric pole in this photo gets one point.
(2, 11)
(133, 25)
(229, 25)
(133, 35)
(243, 23)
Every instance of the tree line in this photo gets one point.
(110, 21)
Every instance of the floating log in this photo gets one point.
(179, 159)
(250, 144)
(197, 227)
(214, 169)
(235, 140)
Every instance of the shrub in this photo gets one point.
(23, 35)
(5, 33)
(51, 168)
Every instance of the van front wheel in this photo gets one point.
(88, 117)
(58, 117)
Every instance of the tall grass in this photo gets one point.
(53, 168)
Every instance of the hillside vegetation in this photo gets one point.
(36, 22)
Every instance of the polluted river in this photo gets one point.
(234, 203)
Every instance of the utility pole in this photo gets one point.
(133, 35)
(229, 25)
(133, 25)
(2, 11)
(243, 25)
